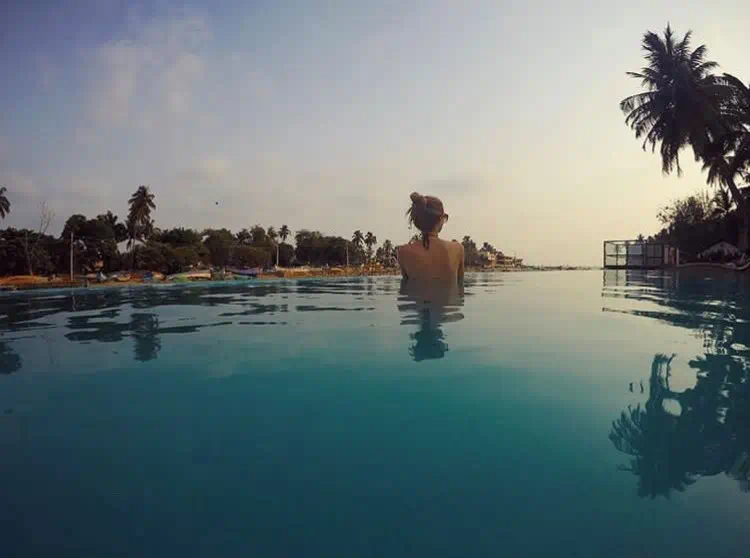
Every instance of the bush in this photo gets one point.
(152, 257)
(250, 256)
(182, 258)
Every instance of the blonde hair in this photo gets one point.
(425, 213)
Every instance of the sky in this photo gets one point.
(326, 115)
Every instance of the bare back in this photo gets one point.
(442, 262)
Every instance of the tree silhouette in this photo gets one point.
(4, 203)
(686, 105)
(139, 221)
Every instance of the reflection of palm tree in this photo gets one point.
(145, 331)
(652, 438)
(711, 433)
(9, 360)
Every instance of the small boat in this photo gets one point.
(244, 271)
(190, 276)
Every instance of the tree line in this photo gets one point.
(686, 104)
(697, 221)
(94, 243)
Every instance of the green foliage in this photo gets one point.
(692, 224)
(94, 241)
(259, 235)
(219, 243)
(152, 256)
(179, 236)
(315, 249)
(471, 254)
(685, 105)
(45, 252)
(286, 255)
(139, 223)
(251, 256)
(4, 203)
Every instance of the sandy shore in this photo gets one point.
(24, 282)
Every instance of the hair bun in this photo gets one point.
(416, 197)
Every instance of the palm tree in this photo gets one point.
(729, 156)
(358, 238)
(272, 236)
(723, 203)
(4, 203)
(681, 106)
(370, 241)
(284, 233)
(243, 237)
(387, 250)
(140, 225)
(687, 105)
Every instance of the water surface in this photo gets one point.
(532, 414)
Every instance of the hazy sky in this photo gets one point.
(326, 115)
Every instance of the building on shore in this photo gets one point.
(639, 254)
(494, 259)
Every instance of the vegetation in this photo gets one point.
(4, 203)
(687, 105)
(95, 244)
(696, 222)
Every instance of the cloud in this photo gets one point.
(149, 73)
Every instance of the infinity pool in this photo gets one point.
(534, 414)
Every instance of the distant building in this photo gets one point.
(507, 261)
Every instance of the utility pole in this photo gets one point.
(71, 256)
(347, 254)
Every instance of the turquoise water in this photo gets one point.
(535, 414)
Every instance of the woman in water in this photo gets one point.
(431, 260)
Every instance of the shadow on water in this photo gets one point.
(677, 437)
(10, 361)
(428, 309)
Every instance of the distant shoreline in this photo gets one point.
(28, 283)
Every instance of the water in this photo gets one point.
(536, 414)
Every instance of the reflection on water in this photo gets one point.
(9, 360)
(145, 328)
(146, 316)
(429, 308)
(676, 437)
